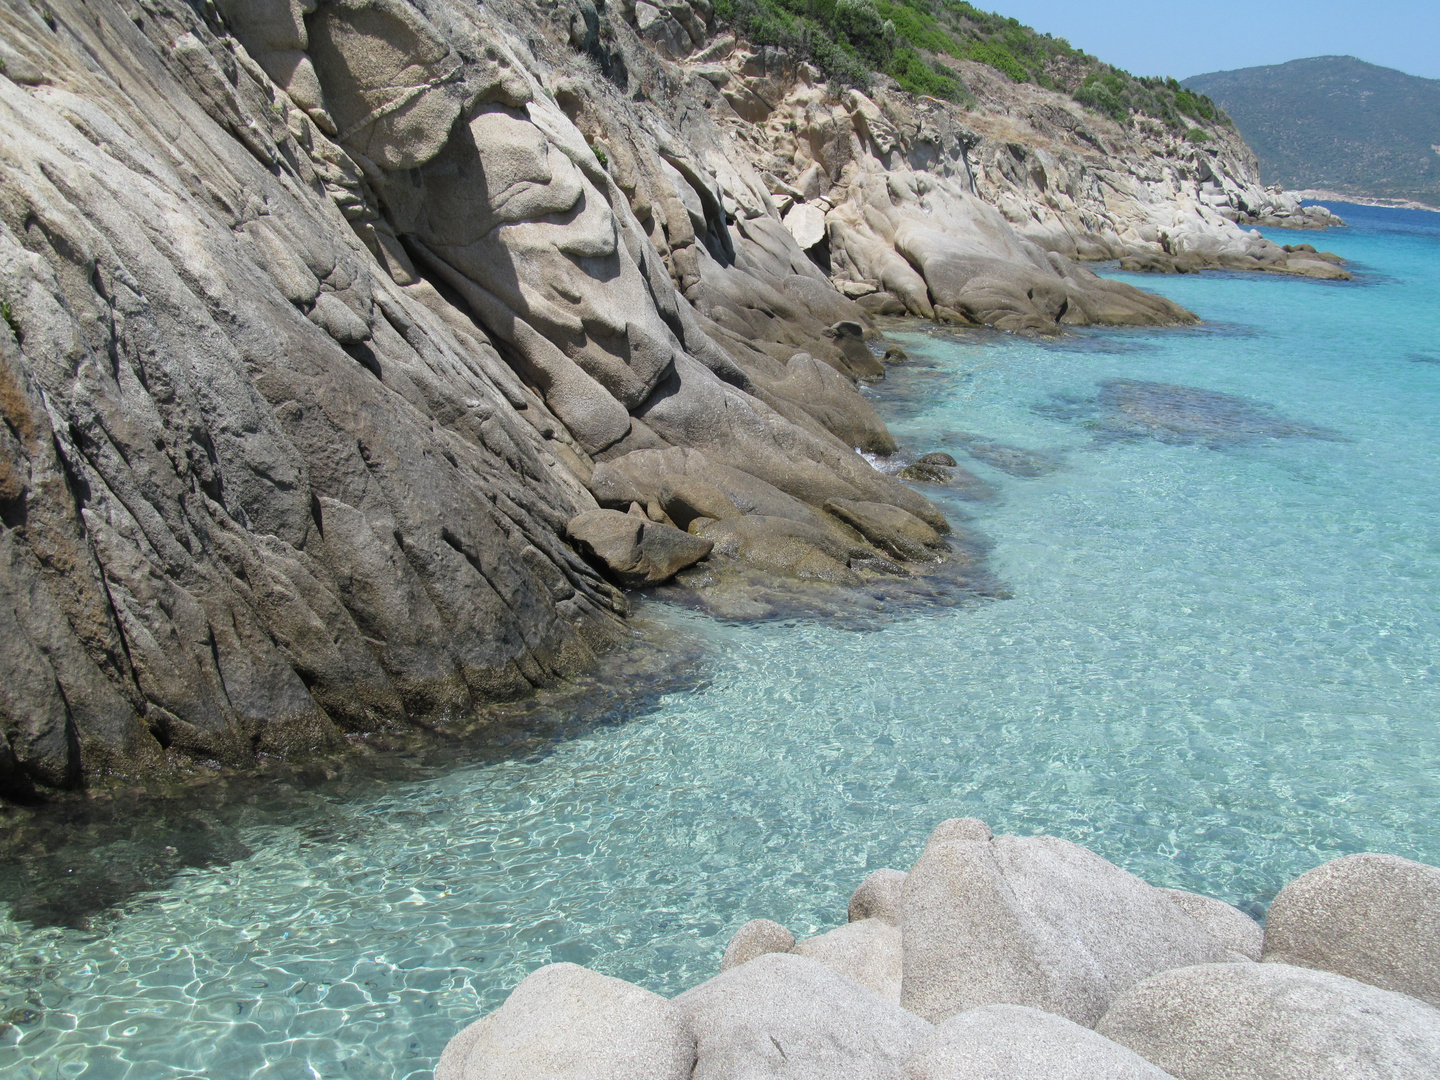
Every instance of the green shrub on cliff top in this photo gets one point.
(909, 40)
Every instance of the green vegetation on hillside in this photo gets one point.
(1339, 123)
(848, 40)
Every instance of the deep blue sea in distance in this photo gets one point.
(1217, 667)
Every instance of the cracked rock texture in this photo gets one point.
(326, 319)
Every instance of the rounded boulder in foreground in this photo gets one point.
(1371, 917)
(1014, 1042)
(565, 1022)
(786, 1017)
(1274, 1022)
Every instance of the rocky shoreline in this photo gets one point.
(996, 958)
(359, 354)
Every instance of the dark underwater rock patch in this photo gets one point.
(1178, 415)
(1009, 459)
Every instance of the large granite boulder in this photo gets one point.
(1372, 917)
(782, 1015)
(868, 951)
(1012, 1042)
(1034, 921)
(565, 1022)
(1274, 1022)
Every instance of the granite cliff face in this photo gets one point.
(335, 332)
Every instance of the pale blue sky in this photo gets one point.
(1161, 37)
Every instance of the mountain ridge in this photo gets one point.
(1336, 123)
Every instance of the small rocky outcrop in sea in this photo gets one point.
(1008, 958)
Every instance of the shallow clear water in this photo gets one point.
(1218, 669)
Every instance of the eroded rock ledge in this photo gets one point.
(329, 326)
(1009, 958)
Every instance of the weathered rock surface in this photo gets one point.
(1274, 1022)
(891, 529)
(1009, 1042)
(564, 1022)
(1375, 918)
(1033, 921)
(634, 551)
(307, 379)
(868, 951)
(1080, 185)
(329, 317)
(782, 1015)
(1226, 923)
(756, 938)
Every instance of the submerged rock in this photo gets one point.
(1133, 409)
(1009, 459)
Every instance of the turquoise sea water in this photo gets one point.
(1217, 668)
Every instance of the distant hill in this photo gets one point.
(1337, 123)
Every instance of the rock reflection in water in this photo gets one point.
(1135, 409)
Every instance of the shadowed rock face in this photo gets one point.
(1180, 415)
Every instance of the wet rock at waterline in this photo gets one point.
(1134, 409)
(1021, 957)
(892, 530)
(959, 480)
